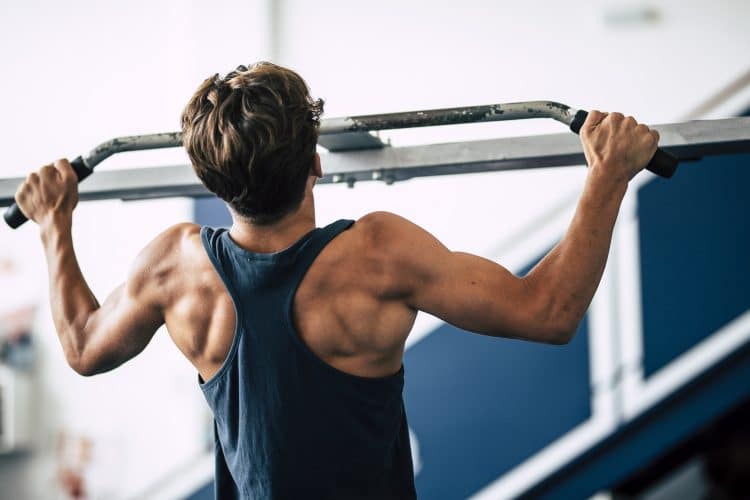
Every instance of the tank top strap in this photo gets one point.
(220, 255)
(312, 248)
(309, 252)
(247, 274)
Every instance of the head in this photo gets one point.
(251, 138)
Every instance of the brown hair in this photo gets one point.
(251, 137)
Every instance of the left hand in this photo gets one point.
(50, 192)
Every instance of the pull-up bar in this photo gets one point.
(353, 133)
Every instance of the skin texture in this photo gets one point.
(356, 325)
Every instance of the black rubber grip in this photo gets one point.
(13, 215)
(662, 163)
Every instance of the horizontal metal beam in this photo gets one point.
(689, 140)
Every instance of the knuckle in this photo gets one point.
(67, 170)
(594, 118)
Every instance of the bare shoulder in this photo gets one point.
(395, 250)
(158, 266)
(175, 239)
(382, 231)
(395, 237)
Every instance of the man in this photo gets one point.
(298, 333)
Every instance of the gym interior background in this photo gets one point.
(649, 399)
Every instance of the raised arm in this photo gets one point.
(547, 305)
(95, 338)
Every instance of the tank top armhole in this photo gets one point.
(207, 235)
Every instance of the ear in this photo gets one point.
(317, 170)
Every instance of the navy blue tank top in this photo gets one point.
(287, 424)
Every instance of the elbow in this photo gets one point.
(548, 330)
(82, 368)
(558, 321)
(562, 334)
(81, 364)
(561, 325)
(76, 354)
(564, 325)
(552, 318)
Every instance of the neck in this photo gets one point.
(274, 237)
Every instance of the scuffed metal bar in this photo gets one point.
(450, 116)
(131, 143)
(689, 140)
(365, 123)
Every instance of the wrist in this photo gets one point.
(55, 224)
(602, 179)
(603, 188)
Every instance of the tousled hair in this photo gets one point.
(251, 138)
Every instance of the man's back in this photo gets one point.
(341, 309)
(289, 425)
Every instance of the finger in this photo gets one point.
(66, 169)
(630, 121)
(21, 198)
(594, 118)
(642, 128)
(616, 117)
(32, 178)
(656, 136)
(48, 172)
(23, 190)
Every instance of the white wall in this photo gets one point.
(392, 55)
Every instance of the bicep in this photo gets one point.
(127, 320)
(471, 293)
(120, 329)
(468, 291)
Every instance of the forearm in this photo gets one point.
(570, 274)
(71, 299)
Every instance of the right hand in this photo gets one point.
(51, 191)
(617, 146)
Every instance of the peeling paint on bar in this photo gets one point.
(132, 143)
(450, 116)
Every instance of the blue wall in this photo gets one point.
(695, 255)
(212, 212)
(480, 405)
(204, 493)
(694, 247)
